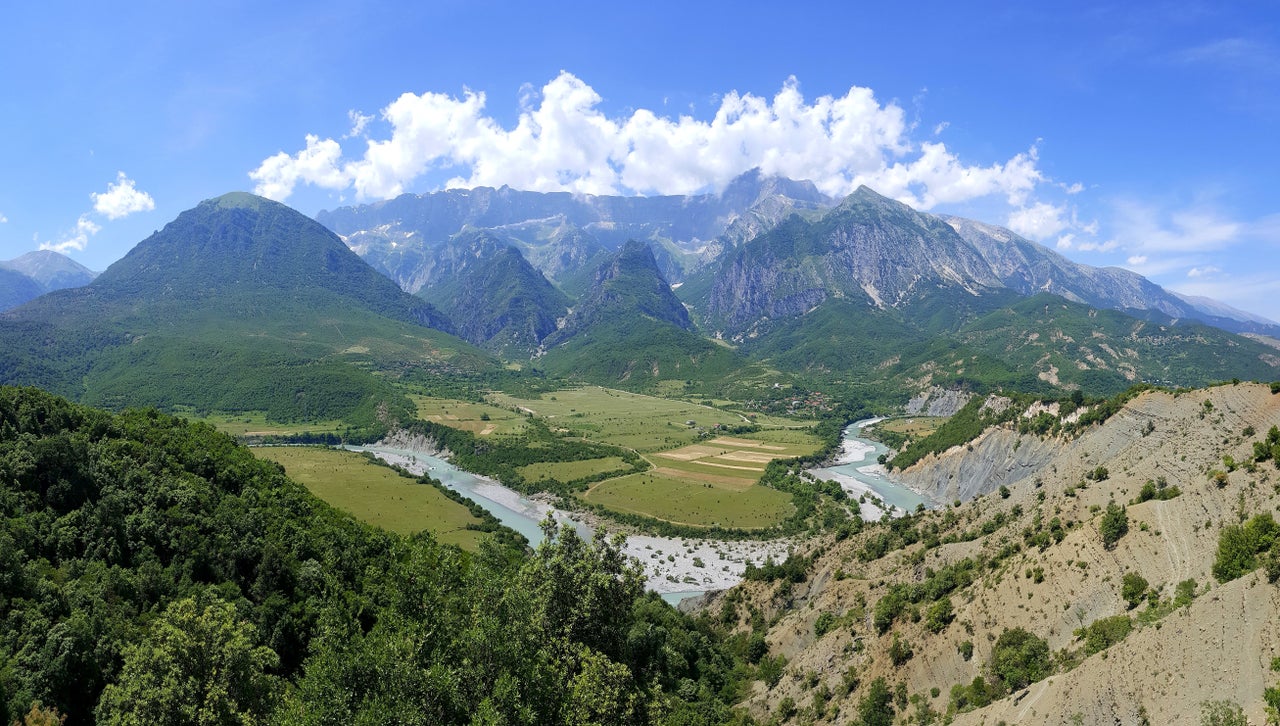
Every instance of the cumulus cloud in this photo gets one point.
(563, 141)
(1039, 221)
(122, 199)
(1206, 271)
(1137, 260)
(76, 239)
(3, 218)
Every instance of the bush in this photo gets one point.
(900, 651)
(1020, 658)
(1239, 545)
(876, 708)
(939, 615)
(1114, 525)
(1132, 588)
(1158, 489)
(1222, 713)
(824, 624)
(1106, 632)
(965, 649)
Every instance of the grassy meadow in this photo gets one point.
(682, 500)
(567, 471)
(254, 423)
(631, 420)
(375, 494)
(481, 419)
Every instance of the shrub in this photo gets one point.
(824, 624)
(1106, 632)
(1222, 713)
(900, 651)
(1239, 545)
(876, 708)
(939, 615)
(965, 649)
(1132, 588)
(1114, 525)
(1020, 658)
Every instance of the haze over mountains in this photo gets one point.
(35, 273)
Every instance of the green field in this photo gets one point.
(254, 423)
(914, 427)
(481, 419)
(375, 494)
(635, 421)
(684, 501)
(572, 470)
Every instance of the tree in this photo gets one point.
(876, 707)
(1132, 588)
(939, 615)
(196, 665)
(1114, 524)
(1020, 658)
(1239, 545)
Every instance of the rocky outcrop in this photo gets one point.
(937, 401)
(1000, 457)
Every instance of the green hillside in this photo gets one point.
(239, 304)
(152, 570)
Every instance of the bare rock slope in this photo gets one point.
(869, 606)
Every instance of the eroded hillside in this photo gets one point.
(1096, 575)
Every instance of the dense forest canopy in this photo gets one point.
(154, 571)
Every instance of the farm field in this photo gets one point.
(915, 427)
(643, 423)
(567, 471)
(254, 423)
(481, 419)
(732, 462)
(681, 500)
(375, 494)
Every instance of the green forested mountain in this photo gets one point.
(238, 304)
(152, 570)
(495, 297)
(16, 288)
(874, 289)
(630, 329)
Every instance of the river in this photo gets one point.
(858, 471)
(676, 568)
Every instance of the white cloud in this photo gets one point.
(1137, 260)
(937, 130)
(1093, 246)
(121, 199)
(3, 218)
(1206, 271)
(1147, 228)
(1039, 221)
(359, 122)
(563, 141)
(77, 238)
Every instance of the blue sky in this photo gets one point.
(1137, 134)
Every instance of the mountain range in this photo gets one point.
(35, 273)
(242, 303)
(865, 286)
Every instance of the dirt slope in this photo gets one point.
(1218, 647)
